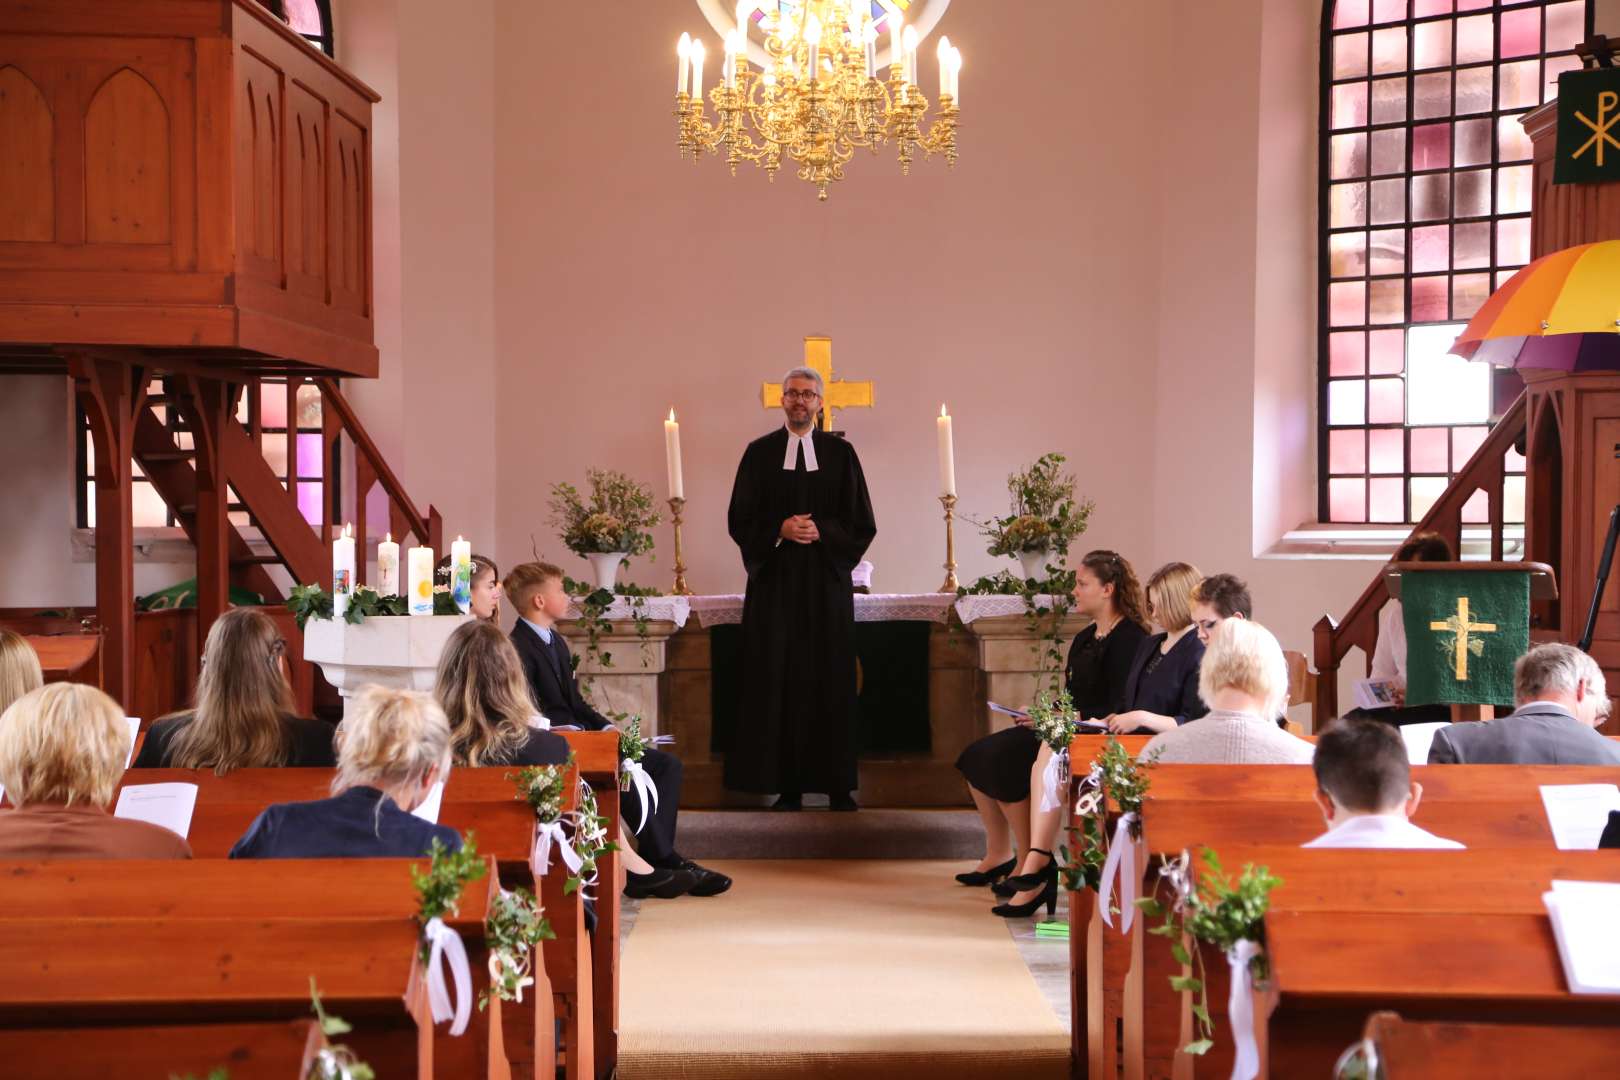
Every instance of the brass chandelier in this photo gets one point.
(821, 99)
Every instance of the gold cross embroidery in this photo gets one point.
(835, 395)
(1607, 100)
(1459, 625)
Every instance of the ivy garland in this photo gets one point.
(514, 927)
(1116, 780)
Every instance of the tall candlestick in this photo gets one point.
(950, 583)
(461, 574)
(672, 456)
(388, 567)
(680, 588)
(420, 580)
(947, 454)
(342, 572)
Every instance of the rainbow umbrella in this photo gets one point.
(1561, 313)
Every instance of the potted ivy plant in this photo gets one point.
(613, 525)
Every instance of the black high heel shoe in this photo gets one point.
(990, 876)
(1019, 882)
(1048, 896)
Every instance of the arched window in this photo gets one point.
(1424, 210)
(313, 19)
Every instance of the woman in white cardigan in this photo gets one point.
(1244, 681)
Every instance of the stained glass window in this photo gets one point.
(1425, 209)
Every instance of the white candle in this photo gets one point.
(869, 37)
(911, 55)
(947, 454)
(388, 567)
(944, 55)
(672, 456)
(956, 75)
(697, 72)
(683, 57)
(461, 574)
(895, 23)
(342, 572)
(420, 579)
(744, 9)
(812, 36)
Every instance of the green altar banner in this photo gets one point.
(1588, 150)
(1464, 631)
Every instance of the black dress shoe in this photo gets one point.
(709, 882)
(661, 884)
(990, 876)
(845, 802)
(788, 802)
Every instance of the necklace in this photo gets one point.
(1101, 633)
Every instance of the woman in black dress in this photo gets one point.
(1162, 690)
(999, 767)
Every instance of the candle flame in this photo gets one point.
(388, 538)
(458, 538)
(672, 416)
(348, 530)
(942, 411)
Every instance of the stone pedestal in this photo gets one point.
(1011, 659)
(397, 651)
(624, 677)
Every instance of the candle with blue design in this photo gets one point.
(461, 574)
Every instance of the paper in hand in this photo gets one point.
(1016, 714)
(429, 809)
(134, 723)
(166, 805)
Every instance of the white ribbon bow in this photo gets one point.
(445, 942)
(643, 785)
(1056, 770)
(1121, 863)
(1240, 1008)
(547, 834)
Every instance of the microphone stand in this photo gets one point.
(1605, 564)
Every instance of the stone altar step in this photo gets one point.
(817, 833)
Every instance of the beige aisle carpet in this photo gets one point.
(808, 967)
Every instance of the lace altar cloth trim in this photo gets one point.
(879, 607)
(675, 609)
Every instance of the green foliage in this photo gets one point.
(1081, 866)
(590, 839)
(218, 1073)
(1126, 780)
(309, 602)
(1217, 911)
(365, 601)
(1053, 718)
(516, 924)
(632, 746)
(1047, 604)
(334, 1061)
(1045, 515)
(444, 602)
(543, 787)
(617, 518)
(438, 891)
(1121, 784)
(593, 605)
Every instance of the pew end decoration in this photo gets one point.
(1211, 908)
(633, 746)
(1053, 718)
(515, 926)
(590, 841)
(334, 1061)
(439, 894)
(1118, 781)
(614, 525)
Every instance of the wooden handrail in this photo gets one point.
(369, 464)
(1485, 470)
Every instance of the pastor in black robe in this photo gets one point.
(796, 724)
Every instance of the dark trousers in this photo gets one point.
(656, 841)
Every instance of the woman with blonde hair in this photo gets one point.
(393, 747)
(485, 695)
(1162, 690)
(1244, 680)
(19, 668)
(62, 751)
(244, 712)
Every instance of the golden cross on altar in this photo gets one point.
(835, 395)
(1459, 625)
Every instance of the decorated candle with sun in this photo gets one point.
(420, 580)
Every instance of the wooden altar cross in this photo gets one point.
(835, 395)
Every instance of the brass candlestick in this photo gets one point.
(680, 588)
(951, 584)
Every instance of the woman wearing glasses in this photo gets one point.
(244, 712)
(1001, 768)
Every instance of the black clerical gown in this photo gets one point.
(796, 727)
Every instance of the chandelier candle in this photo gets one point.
(388, 567)
(342, 572)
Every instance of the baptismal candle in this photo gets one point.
(461, 574)
(420, 579)
(388, 567)
(947, 454)
(342, 572)
(672, 456)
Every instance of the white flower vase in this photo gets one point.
(1034, 564)
(605, 567)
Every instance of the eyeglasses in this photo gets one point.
(799, 395)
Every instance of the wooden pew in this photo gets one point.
(164, 946)
(596, 753)
(1444, 1050)
(481, 801)
(1388, 885)
(273, 1050)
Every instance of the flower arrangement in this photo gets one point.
(617, 518)
(1045, 515)
(542, 787)
(1216, 911)
(438, 892)
(1053, 718)
(516, 924)
(590, 839)
(632, 746)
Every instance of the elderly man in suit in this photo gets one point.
(1562, 698)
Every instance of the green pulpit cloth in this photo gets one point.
(184, 595)
(1464, 631)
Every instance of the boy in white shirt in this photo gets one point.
(1366, 791)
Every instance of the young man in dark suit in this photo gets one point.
(536, 592)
